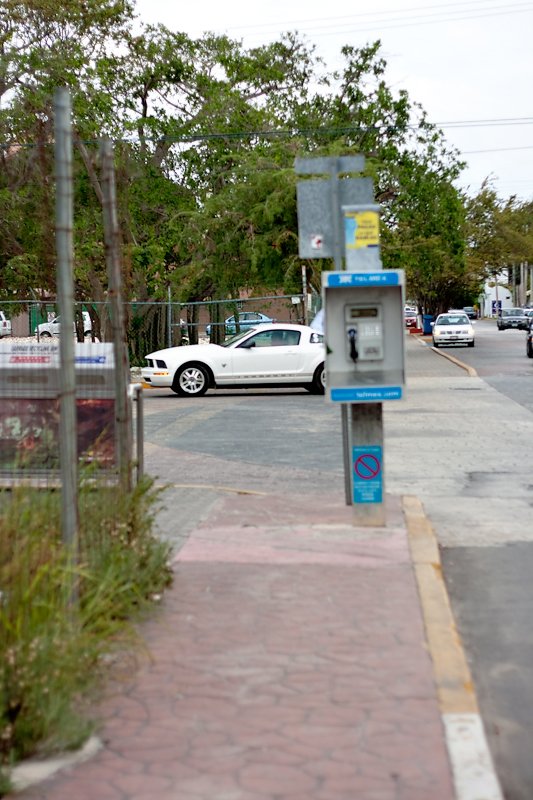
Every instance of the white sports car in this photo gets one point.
(267, 356)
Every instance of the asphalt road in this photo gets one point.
(455, 442)
(491, 589)
(499, 357)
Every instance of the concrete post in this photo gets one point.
(367, 436)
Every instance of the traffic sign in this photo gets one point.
(367, 474)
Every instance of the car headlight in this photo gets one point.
(439, 331)
(470, 331)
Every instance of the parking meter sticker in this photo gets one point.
(362, 229)
(367, 480)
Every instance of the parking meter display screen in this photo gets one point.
(357, 313)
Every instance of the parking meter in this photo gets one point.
(364, 332)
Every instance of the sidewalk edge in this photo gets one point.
(471, 371)
(472, 766)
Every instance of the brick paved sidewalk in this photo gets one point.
(289, 663)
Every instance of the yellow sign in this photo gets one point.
(362, 229)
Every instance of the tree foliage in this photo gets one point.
(207, 205)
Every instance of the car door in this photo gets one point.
(271, 356)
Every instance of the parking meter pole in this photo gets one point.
(68, 438)
(366, 429)
(346, 453)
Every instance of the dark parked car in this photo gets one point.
(470, 312)
(512, 318)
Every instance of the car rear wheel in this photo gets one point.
(192, 380)
(318, 385)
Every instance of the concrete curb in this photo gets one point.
(35, 770)
(472, 767)
(471, 371)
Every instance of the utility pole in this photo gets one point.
(123, 422)
(68, 431)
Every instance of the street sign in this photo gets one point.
(496, 306)
(367, 474)
(325, 166)
(316, 217)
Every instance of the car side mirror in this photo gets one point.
(247, 344)
(432, 324)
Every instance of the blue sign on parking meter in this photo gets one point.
(496, 306)
(367, 474)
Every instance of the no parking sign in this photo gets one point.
(367, 480)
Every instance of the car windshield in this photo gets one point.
(512, 312)
(453, 319)
(236, 337)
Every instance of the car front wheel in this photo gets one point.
(529, 349)
(192, 380)
(471, 344)
(318, 385)
(45, 335)
(435, 343)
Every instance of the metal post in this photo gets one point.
(335, 210)
(122, 372)
(346, 453)
(68, 439)
(169, 320)
(136, 393)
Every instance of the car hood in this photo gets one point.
(188, 352)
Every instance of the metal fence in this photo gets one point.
(151, 326)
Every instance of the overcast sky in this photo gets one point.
(463, 61)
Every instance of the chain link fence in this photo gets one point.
(153, 326)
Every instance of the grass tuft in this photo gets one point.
(52, 650)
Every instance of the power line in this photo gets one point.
(496, 150)
(374, 14)
(377, 25)
(200, 137)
